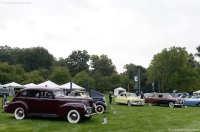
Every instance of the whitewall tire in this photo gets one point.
(73, 116)
(19, 113)
(99, 109)
(129, 103)
(171, 104)
(150, 104)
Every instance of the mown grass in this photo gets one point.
(128, 119)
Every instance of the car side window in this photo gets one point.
(121, 94)
(160, 96)
(23, 94)
(33, 94)
(46, 94)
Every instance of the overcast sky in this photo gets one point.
(127, 31)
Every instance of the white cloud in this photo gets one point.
(127, 31)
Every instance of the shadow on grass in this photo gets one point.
(52, 119)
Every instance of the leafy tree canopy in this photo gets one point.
(77, 62)
(172, 69)
(82, 78)
(102, 65)
(60, 75)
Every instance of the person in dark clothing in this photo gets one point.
(110, 97)
(141, 95)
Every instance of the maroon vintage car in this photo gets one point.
(50, 102)
(163, 98)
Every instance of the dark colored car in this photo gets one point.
(163, 98)
(4, 91)
(50, 102)
(98, 99)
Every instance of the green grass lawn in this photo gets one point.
(126, 119)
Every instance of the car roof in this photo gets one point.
(41, 88)
(126, 93)
(161, 93)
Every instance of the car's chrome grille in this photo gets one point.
(89, 110)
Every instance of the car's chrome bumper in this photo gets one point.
(178, 104)
(137, 103)
(89, 115)
(89, 111)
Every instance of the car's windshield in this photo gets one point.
(58, 93)
(84, 94)
(131, 95)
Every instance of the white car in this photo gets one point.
(129, 99)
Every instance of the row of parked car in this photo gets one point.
(52, 102)
(171, 100)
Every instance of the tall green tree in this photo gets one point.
(172, 69)
(133, 70)
(82, 77)
(115, 81)
(10, 73)
(6, 54)
(33, 77)
(78, 61)
(44, 73)
(34, 58)
(60, 62)
(60, 75)
(100, 82)
(102, 65)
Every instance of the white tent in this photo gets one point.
(12, 84)
(30, 85)
(48, 84)
(13, 87)
(117, 91)
(74, 86)
(196, 93)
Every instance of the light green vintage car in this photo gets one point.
(129, 99)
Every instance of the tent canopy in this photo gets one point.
(196, 93)
(30, 85)
(117, 91)
(48, 84)
(12, 84)
(74, 86)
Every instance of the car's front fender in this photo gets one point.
(12, 106)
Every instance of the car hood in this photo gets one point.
(73, 98)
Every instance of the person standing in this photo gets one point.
(110, 97)
(137, 93)
(141, 95)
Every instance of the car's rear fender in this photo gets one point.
(65, 108)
